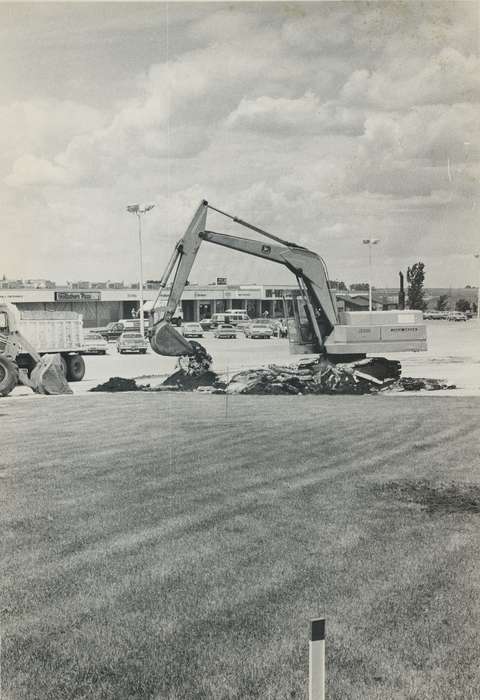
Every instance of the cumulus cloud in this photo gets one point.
(303, 115)
(445, 78)
(321, 122)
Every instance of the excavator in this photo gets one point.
(317, 326)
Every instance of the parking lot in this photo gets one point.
(453, 354)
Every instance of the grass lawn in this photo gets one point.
(155, 547)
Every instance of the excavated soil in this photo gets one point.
(118, 384)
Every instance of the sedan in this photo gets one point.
(132, 342)
(258, 330)
(192, 330)
(225, 330)
(94, 344)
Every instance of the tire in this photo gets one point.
(143, 352)
(75, 368)
(8, 375)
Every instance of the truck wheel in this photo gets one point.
(8, 376)
(75, 368)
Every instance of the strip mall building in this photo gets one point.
(101, 306)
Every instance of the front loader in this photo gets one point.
(21, 363)
(317, 325)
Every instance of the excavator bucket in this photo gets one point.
(166, 340)
(48, 376)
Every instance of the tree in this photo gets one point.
(359, 287)
(415, 279)
(442, 302)
(463, 305)
(335, 284)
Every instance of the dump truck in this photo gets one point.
(40, 349)
(316, 326)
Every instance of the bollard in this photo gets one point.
(316, 685)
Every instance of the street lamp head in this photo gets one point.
(366, 241)
(133, 208)
(374, 241)
(476, 255)
(147, 207)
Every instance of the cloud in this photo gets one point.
(29, 170)
(445, 78)
(304, 115)
(321, 122)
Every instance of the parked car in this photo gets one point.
(435, 315)
(206, 323)
(94, 344)
(258, 329)
(132, 342)
(457, 316)
(192, 330)
(112, 331)
(225, 330)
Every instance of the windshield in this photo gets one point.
(93, 336)
(132, 336)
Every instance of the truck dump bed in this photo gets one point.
(53, 331)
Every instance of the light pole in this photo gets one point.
(477, 255)
(370, 242)
(138, 211)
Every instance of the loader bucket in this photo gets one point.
(166, 340)
(48, 376)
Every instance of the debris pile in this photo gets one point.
(419, 384)
(317, 376)
(310, 375)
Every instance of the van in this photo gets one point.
(232, 316)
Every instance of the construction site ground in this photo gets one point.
(159, 545)
(453, 355)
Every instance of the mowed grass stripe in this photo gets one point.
(186, 561)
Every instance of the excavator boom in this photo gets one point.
(319, 326)
(306, 265)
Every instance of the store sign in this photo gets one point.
(221, 280)
(77, 296)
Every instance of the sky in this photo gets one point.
(322, 122)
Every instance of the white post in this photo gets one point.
(142, 317)
(316, 685)
(477, 255)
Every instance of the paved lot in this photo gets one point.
(453, 354)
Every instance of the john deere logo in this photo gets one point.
(266, 249)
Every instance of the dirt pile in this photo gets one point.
(118, 384)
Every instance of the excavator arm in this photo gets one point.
(308, 268)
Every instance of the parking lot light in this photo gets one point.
(370, 242)
(139, 211)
